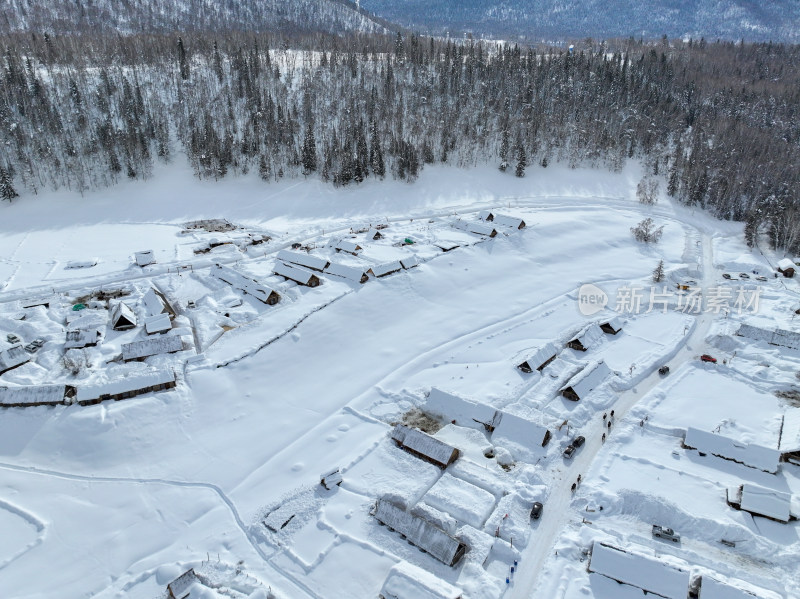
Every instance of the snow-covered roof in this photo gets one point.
(588, 379)
(145, 257)
(298, 275)
(181, 586)
(790, 432)
(163, 344)
(122, 315)
(423, 444)
(779, 337)
(766, 502)
(356, 274)
(345, 245)
(406, 581)
(128, 384)
(12, 356)
(755, 456)
(152, 303)
(614, 323)
(475, 227)
(711, 588)
(446, 245)
(157, 324)
(518, 431)
(540, 356)
(409, 261)
(463, 411)
(303, 259)
(32, 394)
(381, 270)
(646, 573)
(506, 221)
(589, 335)
(79, 338)
(419, 531)
(785, 264)
(250, 286)
(100, 317)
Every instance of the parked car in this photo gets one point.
(578, 441)
(38, 342)
(760, 278)
(663, 370)
(707, 358)
(536, 510)
(568, 451)
(744, 275)
(666, 533)
(12, 338)
(726, 275)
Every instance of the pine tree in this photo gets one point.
(217, 63)
(183, 63)
(7, 191)
(522, 158)
(658, 273)
(309, 157)
(504, 150)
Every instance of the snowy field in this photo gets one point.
(219, 468)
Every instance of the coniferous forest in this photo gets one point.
(718, 122)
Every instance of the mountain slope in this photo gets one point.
(777, 20)
(132, 16)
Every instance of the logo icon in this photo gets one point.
(591, 299)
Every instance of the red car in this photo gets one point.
(707, 358)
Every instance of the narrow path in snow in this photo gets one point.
(557, 512)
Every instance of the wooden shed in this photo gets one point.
(357, 274)
(583, 383)
(317, 263)
(345, 245)
(387, 268)
(34, 395)
(145, 258)
(181, 587)
(424, 446)
(298, 275)
(786, 267)
(420, 532)
(502, 219)
(586, 338)
(126, 387)
(245, 284)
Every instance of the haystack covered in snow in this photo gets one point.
(406, 581)
(420, 532)
(649, 574)
(317, 263)
(126, 387)
(122, 317)
(164, 344)
(245, 284)
(357, 274)
(583, 383)
(12, 356)
(539, 358)
(755, 456)
(786, 267)
(589, 336)
(144, 258)
(298, 275)
(33, 395)
(424, 446)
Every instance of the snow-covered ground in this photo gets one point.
(221, 473)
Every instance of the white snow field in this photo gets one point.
(132, 458)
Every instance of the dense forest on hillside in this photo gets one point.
(718, 121)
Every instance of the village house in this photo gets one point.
(476, 227)
(588, 337)
(35, 395)
(356, 274)
(381, 270)
(126, 387)
(407, 581)
(754, 456)
(612, 326)
(420, 532)
(80, 338)
(760, 501)
(539, 358)
(12, 356)
(347, 246)
(789, 437)
(245, 284)
(298, 275)
(424, 446)
(502, 220)
(163, 344)
(122, 317)
(317, 263)
(588, 379)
